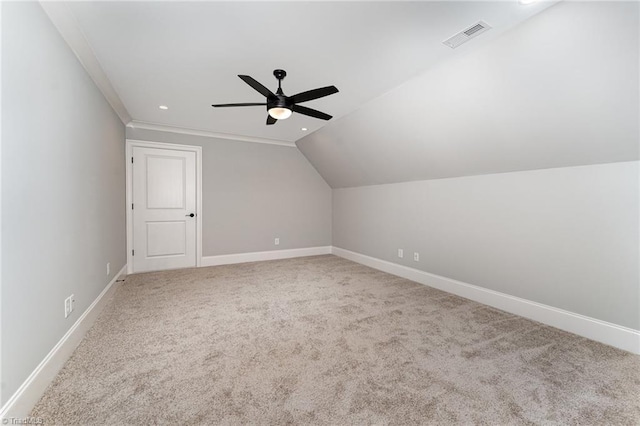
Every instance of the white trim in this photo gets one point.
(206, 133)
(1, 287)
(130, 143)
(24, 399)
(615, 335)
(65, 21)
(229, 259)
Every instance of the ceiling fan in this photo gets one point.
(280, 106)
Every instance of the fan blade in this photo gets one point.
(257, 86)
(311, 112)
(314, 94)
(236, 105)
(271, 120)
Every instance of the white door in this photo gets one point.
(164, 209)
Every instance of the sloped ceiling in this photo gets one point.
(187, 55)
(561, 89)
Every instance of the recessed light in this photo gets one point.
(304, 129)
(163, 107)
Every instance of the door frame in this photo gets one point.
(130, 144)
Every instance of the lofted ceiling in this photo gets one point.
(187, 55)
(562, 89)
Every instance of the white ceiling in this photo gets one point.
(187, 54)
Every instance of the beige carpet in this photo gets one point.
(322, 340)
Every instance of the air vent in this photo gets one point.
(467, 34)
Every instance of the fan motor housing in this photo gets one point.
(281, 101)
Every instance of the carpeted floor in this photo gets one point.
(322, 340)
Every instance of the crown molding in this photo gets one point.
(67, 25)
(208, 134)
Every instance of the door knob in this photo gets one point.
(190, 215)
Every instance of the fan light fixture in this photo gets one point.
(280, 113)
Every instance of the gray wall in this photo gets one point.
(253, 193)
(565, 237)
(63, 190)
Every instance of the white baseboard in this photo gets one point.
(611, 334)
(229, 259)
(24, 399)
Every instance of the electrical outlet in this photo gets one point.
(69, 305)
(400, 253)
(108, 268)
(276, 241)
(416, 257)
